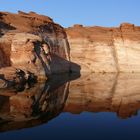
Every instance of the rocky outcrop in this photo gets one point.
(21, 38)
(94, 49)
(100, 49)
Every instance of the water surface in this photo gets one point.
(93, 106)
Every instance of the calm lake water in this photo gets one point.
(90, 106)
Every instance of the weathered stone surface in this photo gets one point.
(21, 38)
(100, 49)
(27, 54)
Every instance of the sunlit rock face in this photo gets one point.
(119, 93)
(100, 49)
(21, 37)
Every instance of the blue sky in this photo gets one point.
(86, 12)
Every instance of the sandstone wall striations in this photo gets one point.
(21, 37)
(92, 49)
(100, 49)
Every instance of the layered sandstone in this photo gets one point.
(101, 49)
(21, 39)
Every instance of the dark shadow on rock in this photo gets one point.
(5, 28)
(5, 52)
(37, 50)
(57, 64)
(7, 83)
(61, 65)
(2, 76)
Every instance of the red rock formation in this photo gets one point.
(100, 49)
(21, 37)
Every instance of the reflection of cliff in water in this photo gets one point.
(119, 93)
(34, 106)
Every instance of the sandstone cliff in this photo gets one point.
(100, 49)
(21, 37)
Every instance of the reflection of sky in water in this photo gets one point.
(111, 96)
(83, 126)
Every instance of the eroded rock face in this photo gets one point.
(27, 54)
(21, 39)
(100, 49)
